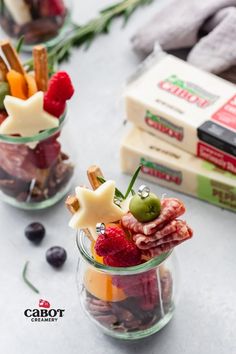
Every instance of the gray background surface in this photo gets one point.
(204, 321)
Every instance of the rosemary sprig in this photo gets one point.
(19, 44)
(118, 194)
(26, 279)
(85, 34)
(131, 184)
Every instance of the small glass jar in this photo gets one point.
(35, 173)
(39, 21)
(127, 303)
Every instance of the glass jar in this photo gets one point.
(39, 21)
(35, 173)
(127, 303)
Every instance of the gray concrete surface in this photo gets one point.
(204, 321)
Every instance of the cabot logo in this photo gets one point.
(44, 313)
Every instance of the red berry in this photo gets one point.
(129, 257)
(60, 87)
(56, 108)
(3, 116)
(52, 8)
(45, 154)
(111, 242)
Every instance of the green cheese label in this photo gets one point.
(215, 192)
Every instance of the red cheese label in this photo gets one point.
(226, 115)
(218, 157)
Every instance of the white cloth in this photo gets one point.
(179, 25)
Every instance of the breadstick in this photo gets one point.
(72, 204)
(41, 67)
(3, 69)
(12, 56)
(93, 172)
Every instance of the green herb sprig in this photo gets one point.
(24, 275)
(85, 34)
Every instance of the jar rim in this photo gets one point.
(37, 137)
(152, 263)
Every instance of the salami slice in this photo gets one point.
(171, 208)
(170, 242)
(175, 230)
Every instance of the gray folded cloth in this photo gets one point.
(208, 26)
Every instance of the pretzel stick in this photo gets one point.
(72, 204)
(12, 56)
(3, 68)
(93, 172)
(41, 67)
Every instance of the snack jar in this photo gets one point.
(39, 21)
(35, 172)
(127, 303)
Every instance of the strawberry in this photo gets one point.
(116, 249)
(56, 108)
(3, 116)
(60, 87)
(45, 154)
(52, 8)
(130, 256)
(111, 242)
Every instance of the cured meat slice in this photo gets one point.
(167, 243)
(176, 229)
(171, 208)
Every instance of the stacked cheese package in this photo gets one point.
(185, 131)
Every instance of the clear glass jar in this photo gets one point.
(127, 303)
(39, 21)
(35, 173)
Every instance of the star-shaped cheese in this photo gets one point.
(96, 207)
(26, 117)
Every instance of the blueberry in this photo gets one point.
(35, 232)
(56, 256)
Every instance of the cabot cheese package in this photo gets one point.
(176, 169)
(187, 107)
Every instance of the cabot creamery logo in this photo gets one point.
(44, 313)
(188, 91)
(164, 126)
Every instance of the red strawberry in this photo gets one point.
(56, 108)
(45, 154)
(130, 256)
(111, 242)
(52, 8)
(60, 87)
(3, 116)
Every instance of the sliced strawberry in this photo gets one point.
(55, 108)
(60, 87)
(52, 8)
(3, 116)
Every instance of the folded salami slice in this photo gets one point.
(175, 230)
(168, 243)
(171, 208)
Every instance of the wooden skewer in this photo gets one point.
(3, 68)
(41, 67)
(12, 56)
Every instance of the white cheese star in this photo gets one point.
(95, 207)
(26, 117)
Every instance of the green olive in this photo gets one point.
(145, 209)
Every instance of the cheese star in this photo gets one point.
(95, 207)
(26, 117)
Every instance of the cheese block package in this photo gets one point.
(174, 168)
(187, 107)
